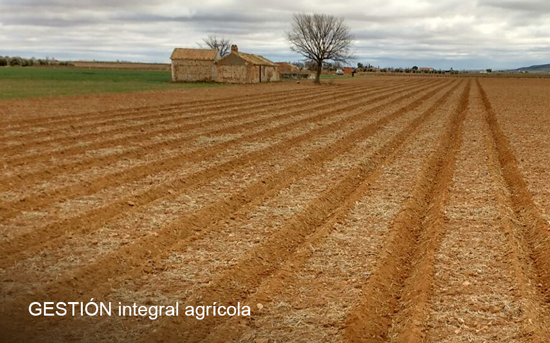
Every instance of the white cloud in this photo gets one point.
(459, 34)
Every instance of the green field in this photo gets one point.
(29, 82)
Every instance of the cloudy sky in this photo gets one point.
(463, 34)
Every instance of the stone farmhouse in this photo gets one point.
(189, 65)
(194, 65)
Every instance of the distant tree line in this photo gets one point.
(16, 61)
(368, 68)
(414, 70)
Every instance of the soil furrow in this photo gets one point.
(408, 324)
(522, 111)
(526, 231)
(92, 219)
(447, 298)
(159, 212)
(27, 178)
(134, 126)
(76, 206)
(371, 318)
(317, 286)
(133, 255)
(536, 231)
(146, 220)
(88, 120)
(373, 209)
(243, 278)
(130, 129)
(11, 209)
(474, 289)
(195, 104)
(65, 136)
(473, 286)
(191, 267)
(32, 167)
(59, 119)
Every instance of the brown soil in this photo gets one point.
(370, 210)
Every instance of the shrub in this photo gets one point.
(15, 61)
(3, 61)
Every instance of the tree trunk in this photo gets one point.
(318, 73)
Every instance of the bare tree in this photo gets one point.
(221, 44)
(320, 37)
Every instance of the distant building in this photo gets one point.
(426, 69)
(239, 67)
(291, 71)
(206, 65)
(194, 64)
(287, 67)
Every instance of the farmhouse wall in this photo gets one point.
(193, 70)
(234, 69)
(269, 74)
(233, 74)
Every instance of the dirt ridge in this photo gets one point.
(231, 332)
(242, 278)
(158, 118)
(222, 209)
(91, 217)
(371, 319)
(180, 105)
(414, 297)
(10, 209)
(526, 228)
(75, 166)
(87, 119)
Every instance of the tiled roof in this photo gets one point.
(194, 54)
(255, 59)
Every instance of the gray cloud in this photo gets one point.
(459, 34)
(523, 5)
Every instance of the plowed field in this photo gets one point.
(372, 210)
